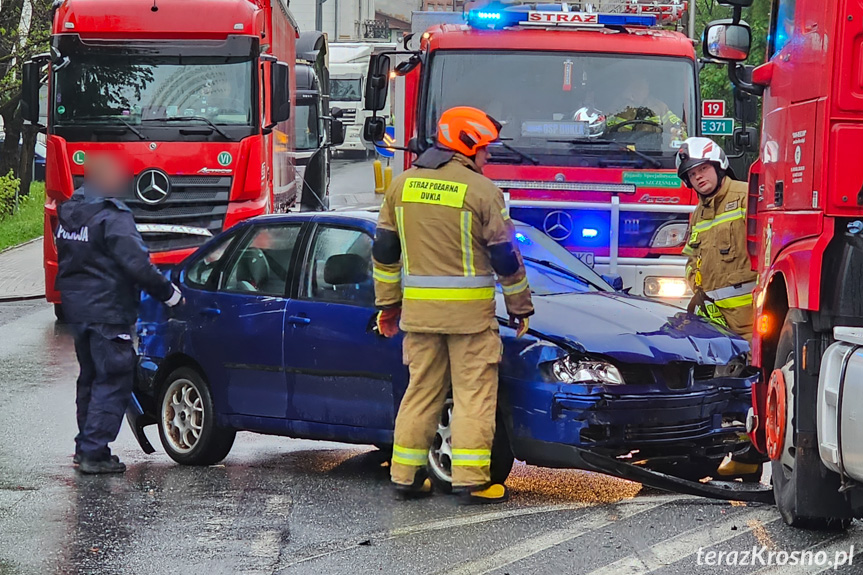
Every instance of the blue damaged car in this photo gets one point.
(276, 336)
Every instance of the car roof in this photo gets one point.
(346, 216)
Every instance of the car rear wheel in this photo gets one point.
(440, 454)
(187, 421)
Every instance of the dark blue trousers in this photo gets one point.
(107, 360)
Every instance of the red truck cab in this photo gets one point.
(200, 107)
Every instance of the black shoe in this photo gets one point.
(100, 466)
(76, 460)
(421, 487)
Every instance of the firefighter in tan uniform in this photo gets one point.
(718, 268)
(443, 234)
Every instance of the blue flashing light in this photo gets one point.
(490, 18)
(523, 239)
(589, 232)
(627, 20)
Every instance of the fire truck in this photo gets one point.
(199, 105)
(805, 227)
(595, 100)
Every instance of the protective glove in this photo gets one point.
(520, 324)
(176, 298)
(697, 301)
(387, 321)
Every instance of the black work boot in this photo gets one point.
(111, 464)
(421, 487)
(76, 460)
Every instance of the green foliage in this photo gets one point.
(8, 191)
(28, 222)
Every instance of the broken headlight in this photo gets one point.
(734, 369)
(585, 370)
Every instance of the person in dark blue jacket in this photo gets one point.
(103, 265)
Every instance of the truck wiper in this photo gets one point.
(126, 124)
(616, 145)
(516, 151)
(564, 271)
(195, 118)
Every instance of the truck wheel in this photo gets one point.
(440, 454)
(187, 421)
(784, 470)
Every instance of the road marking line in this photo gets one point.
(587, 523)
(840, 542)
(672, 550)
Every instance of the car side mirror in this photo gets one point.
(30, 85)
(378, 83)
(280, 93)
(337, 133)
(374, 129)
(344, 269)
(614, 280)
(726, 41)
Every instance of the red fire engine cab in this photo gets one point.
(199, 105)
(806, 241)
(595, 100)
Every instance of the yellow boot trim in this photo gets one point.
(735, 468)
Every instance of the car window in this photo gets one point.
(339, 267)
(261, 265)
(199, 273)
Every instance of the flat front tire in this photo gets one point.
(187, 421)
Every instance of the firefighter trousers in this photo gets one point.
(470, 363)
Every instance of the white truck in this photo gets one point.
(349, 64)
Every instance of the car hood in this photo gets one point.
(631, 329)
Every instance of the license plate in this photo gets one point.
(586, 257)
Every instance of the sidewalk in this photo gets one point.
(21, 273)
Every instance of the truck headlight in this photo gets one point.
(666, 287)
(670, 235)
(574, 370)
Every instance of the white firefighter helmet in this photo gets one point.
(697, 151)
(595, 121)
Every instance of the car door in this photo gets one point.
(236, 328)
(344, 373)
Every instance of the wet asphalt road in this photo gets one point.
(279, 505)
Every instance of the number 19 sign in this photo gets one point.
(713, 109)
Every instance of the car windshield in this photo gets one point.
(306, 126)
(128, 90)
(551, 269)
(575, 104)
(345, 89)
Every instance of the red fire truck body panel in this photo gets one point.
(241, 176)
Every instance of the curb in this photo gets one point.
(17, 298)
(28, 242)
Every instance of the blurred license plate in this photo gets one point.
(586, 257)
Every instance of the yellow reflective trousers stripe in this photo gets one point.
(400, 222)
(467, 243)
(409, 456)
(386, 277)
(449, 294)
(471, 457)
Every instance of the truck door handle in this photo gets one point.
(299, 320)
(211, 311)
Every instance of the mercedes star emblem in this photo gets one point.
(558, 225)
(153, 186)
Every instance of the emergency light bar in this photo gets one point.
(622, 13)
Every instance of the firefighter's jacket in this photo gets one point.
(655, 111)
(443, 234)
(718, 259)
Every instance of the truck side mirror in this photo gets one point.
(736, 3)
(30, 85)
(745, 107)
(280, 93)
(378, 83)
(374, 129)
(337, 113)
(337, 132)
(727, 41)
(745, 139)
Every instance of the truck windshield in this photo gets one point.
(574, 104)
(306, 126)
(345, 90)
(140, 90)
